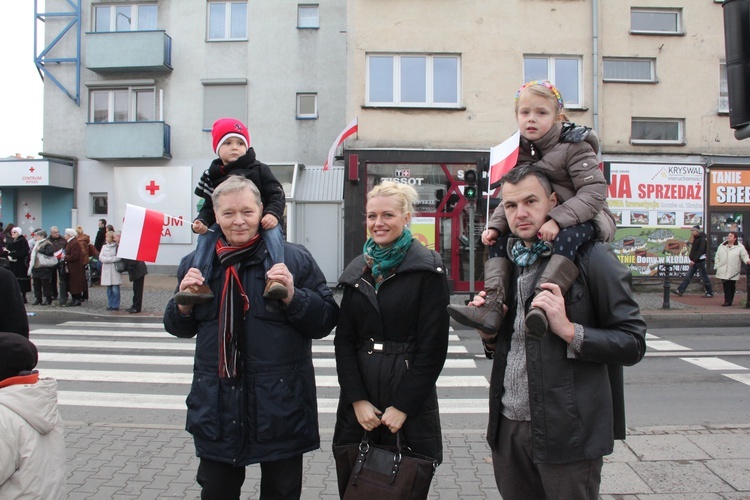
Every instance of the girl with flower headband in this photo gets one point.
(567, 154)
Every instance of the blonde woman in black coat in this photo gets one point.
(392, 337)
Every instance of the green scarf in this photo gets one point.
(525, 256)
(384, 260)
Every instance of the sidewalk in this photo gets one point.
(142, 461)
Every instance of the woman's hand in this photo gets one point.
(281, 273)
(269, 222)
(367, 415)
(393, 418)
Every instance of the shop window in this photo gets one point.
(99, 204)
(564, 72)
(227, 21)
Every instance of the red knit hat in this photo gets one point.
(228, 127)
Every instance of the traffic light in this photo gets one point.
(737, 44)
(471, 190)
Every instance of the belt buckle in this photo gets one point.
(375, 346)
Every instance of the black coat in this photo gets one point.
(12, 311)
(18, 249)
(270, 412)
(699, 248)
(409, 307)
(577, 405)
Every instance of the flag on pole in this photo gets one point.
(350, 130)
(141, 234)
(503, 157)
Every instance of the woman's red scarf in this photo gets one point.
(233, 306)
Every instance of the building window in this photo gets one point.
(308, 16)
(227, 20)
(656, 21)
(127, 104)
(414, 80)
(723, 89)
(563, 71)
(629, 70)
(124, 17)
(307, 106)
(224, 100)
(99, 204)
(657, 131)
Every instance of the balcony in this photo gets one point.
(128, 140)
(124, 51)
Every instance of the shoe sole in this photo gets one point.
(191, 299)
(536, 326)
(463, 320)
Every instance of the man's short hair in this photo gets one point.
(103, 221)
(521, 172)
(234, 184)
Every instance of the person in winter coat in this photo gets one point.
(76, 276)
(728, 262)
(41, 275)
(32, 443)
(698, 254)
(557, 403)
(18, 255)
(567, 153)
(253, 398)
(12, 311)
(110, 277)
(58, 243)
(392, 338)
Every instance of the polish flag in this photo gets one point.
(141, 234)
(350, 130)
(503, 157)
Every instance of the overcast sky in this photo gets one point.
(20, 85)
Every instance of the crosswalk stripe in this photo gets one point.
(112, 324)
(172, 402)
(146, 377)
(665, 345)
(739, 377)
(714, 364)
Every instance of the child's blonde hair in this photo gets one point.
(543, 88)
(406, 195)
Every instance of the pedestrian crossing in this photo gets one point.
(139, 366)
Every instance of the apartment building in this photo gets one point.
(433, 86)
(131, 91)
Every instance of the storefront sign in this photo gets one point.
(729, 188)
(35, 173)
(654, 206)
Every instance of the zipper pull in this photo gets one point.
(407, 363)
(533, 152)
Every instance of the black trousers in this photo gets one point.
(138, 293)
(42, 286)
(280, 480)
(519, 478)
(729, 289)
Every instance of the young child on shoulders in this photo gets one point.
(568, 154)
(231, 143)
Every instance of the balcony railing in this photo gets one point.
(128, 140)
(124, 51)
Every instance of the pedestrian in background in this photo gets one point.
(137, 272)
(698, 253)
(58, 245)
(41, 275)
(18, 255)
(75, 275)
(12, 311)
(101, 233)
(32, 442)
(110, 277)
(729, 258)
(392, 337)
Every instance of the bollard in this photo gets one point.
(667, 286)
(747, 285)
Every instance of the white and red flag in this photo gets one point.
(503, 157)
(350, 130)
(141, 234)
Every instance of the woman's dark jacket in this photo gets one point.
(12, 311)
(409, 307)
(577, 405)
(18, 249)
(270, 411)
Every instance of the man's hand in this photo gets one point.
(552, 302)
(192, 277)
(199, 227)
(269, 222)
(489, 236)
(281, 273)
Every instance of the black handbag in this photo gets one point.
(382, 472)
(121, 266)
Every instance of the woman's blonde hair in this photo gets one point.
(405, 195)
(545, 89)
(79, 230)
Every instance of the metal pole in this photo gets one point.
(471, 250)
(747, 285)
(667, 286)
